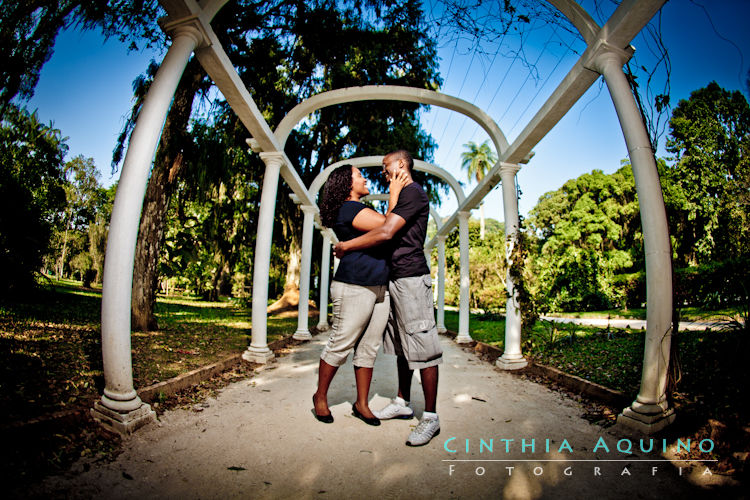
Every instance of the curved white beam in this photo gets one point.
(376, 161)
(390, 93)
(581, 19)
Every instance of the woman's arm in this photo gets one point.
(367, 219)
(381, 234)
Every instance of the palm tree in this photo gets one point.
(478, 160)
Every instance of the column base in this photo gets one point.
(258, 355)
(511, 362)
(644, 423)
(323, 327)
(441, 329)
(123, 423)
(463, 339)
(302, 335)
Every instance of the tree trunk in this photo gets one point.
(161, 184)
(61, 262)
(290, 298)
(290, 226)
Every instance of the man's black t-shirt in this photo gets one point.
(408, 257)
(366, 267)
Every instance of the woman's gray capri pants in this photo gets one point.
(360, 314)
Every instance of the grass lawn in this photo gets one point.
(52, 347)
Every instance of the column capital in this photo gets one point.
(273, 158)
(463, 215)
(602, 54)
(509, 168)
(441, 238)
(308, 209)
(187, 26)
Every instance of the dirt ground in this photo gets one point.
(502, 436)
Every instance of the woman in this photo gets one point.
(359, 290)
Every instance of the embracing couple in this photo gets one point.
(381, 293)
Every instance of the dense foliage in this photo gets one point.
(32, 195)
(286, 52)
(588, 232)
(586, 242)
(487, 270)
(590, 253)
(708, 185)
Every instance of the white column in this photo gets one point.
(441, 285)
(120, 408)
(258, 351)
(463, 298)
(650, 412)
(325, 269)
(303, 309)
(512, 359)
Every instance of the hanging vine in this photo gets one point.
(524, 300)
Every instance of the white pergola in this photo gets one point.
(188, 25)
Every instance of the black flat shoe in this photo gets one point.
(368, 421)
(326, 419)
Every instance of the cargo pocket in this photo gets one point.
(419, 315)
(418, 320)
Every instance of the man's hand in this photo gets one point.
(338, 249)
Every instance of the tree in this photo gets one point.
(588, 233)
(82, 194)
(98, 231)
(710, 138)
(487, 270)
(477, 161)
(31, 195)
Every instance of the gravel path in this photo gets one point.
(259, 439)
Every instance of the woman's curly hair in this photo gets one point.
(337, 189)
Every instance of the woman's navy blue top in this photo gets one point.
(359, 267)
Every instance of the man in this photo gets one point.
(411, 333)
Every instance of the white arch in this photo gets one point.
(607, 50)
(376, 161)
(390, 93)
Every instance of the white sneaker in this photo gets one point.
(427, 429)
(395, 409)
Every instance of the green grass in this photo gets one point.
(490, 331)
(51, 346)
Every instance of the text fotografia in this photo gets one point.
(594, 471)
(523, 445)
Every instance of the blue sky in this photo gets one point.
(85, 90)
